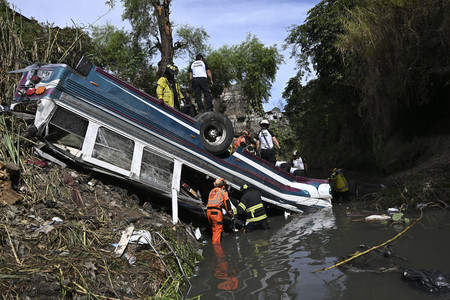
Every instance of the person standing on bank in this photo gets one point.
(253, 207)
(200, 78)
(168, 90)
(266, 142)
(218, 199)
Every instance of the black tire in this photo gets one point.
(201, 116)
(216, 132)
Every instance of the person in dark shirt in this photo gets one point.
(251, 204)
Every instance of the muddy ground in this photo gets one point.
(424, 185)
(58, 235)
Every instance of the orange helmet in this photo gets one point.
(220, 182)
(245, 133)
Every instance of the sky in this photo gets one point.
(226, 22)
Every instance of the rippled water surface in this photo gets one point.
(281, 263)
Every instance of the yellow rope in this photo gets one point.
(367, 251)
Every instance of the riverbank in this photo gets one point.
(59, 235)
(426, 184)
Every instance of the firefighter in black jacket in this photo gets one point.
(252, 205)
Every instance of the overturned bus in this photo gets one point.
(103, 123)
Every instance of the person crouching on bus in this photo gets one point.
(218, 199)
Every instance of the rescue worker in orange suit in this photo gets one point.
(218, 200)
(224, 271)
(339, 185)
(245, 141)
(253, 207)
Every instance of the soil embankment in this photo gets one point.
(59, 234)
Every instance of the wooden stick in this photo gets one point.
(12, 246)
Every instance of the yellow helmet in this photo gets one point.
(244, 187)
(172, 69)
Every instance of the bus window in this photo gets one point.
(113, 148)
(156, 170)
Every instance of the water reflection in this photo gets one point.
(224, 271)
(267, 264)
(280, 263)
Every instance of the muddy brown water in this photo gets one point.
(281, 263)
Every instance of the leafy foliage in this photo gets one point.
(323, 112)
(256, 67)
(25, 41)
(250, 65)
(403, 65)
(192, 41)
(380, 66)
(115, 51)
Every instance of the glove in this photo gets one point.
(161, 102)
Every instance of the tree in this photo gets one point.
(250, 65)
(324, 109)
(256, 67)
(115, 51)
(312, 43)
(382, 80)
(403, 69)
(194, 41)
(153, 29)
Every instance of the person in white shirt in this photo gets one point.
(200, 78)
(266, 142)
(299, 165)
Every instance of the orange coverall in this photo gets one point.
(224, 271)
(218, 199)
(240, 140)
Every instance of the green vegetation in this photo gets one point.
(382, 81)
(74, 257)
(251, 65)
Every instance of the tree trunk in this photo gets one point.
(165, 32)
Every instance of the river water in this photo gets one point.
(281, 263)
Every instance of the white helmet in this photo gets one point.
(264, 122)
(295, 153)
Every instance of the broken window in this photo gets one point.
(113, 148)
(156, 170)
(67, 130)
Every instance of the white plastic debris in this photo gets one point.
(393, 210)
(130, 258)
(141, 237)
(377, 218)
(126, 234)
(56, 220)
(197, 233)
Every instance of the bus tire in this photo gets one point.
(216, 132)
